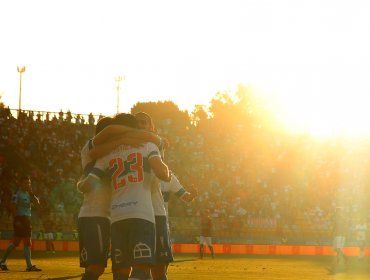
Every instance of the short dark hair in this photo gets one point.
(103, 123)
(126, 119)
(148, 117)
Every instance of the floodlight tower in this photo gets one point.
(118, 79)
(21, 70)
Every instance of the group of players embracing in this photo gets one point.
(123, 213)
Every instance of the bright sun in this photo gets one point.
(325, 115)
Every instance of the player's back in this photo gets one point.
(130, 177)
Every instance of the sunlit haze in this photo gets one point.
(310, 59)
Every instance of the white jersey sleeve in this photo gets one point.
(174, 186)
(86, 160)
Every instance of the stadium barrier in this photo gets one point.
(245, 249)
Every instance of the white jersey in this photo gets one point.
(96, 203)
(157, 198)
(174, 186)
(130, 175)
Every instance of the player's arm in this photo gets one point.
(104, 143)
(160, 169)
(98, 151)
(186, 195)
(115, 130)
(88, 183)
(94, 176)
(110, 132)
(145, 136)
(34, 198)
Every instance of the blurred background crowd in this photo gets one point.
(261, 183)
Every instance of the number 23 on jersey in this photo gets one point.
(127, 171)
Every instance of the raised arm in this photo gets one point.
(105, 148)
(145, 136)
(114, 135)
(34, 198)
(110, 132)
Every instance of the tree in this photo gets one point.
(164, 114)
(199, 116)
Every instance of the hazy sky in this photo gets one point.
(311, 57)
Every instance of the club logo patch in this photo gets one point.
(142, 250)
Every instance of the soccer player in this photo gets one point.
(133, 223)
(360, 230)
(206, 225)
(94, 216)
(22, 202)
(49, 234)
(339, 233)
(160, 204)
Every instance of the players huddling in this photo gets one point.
(123, 168)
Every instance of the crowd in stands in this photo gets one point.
(258, 188)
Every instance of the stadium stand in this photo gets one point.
(282, 192)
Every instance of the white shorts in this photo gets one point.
(339, 242)
(205, 240)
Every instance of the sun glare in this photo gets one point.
(324, 116)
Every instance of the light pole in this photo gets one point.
(118, 79)
(20, 70)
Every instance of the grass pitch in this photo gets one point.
(61, 266)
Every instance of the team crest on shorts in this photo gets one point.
(142, 250)
(84, 254)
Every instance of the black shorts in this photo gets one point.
(94, 238)
(22, 226)
(133, 242)
(163, 252)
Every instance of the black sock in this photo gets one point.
(89, 276)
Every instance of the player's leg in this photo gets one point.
(121, 267)
(14, 244)
(163, 249)
(48, 236)
(362, 249)
(23, 229)
(209, 243)
(140, 272)
(212, 252)
(27, 251)
(133, 246)
(18, 233)
(94, 245)
(93, 272)
(201, 246)
(50, 243)
(342, 255)
(159, 271)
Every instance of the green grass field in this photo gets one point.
(62, 266)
